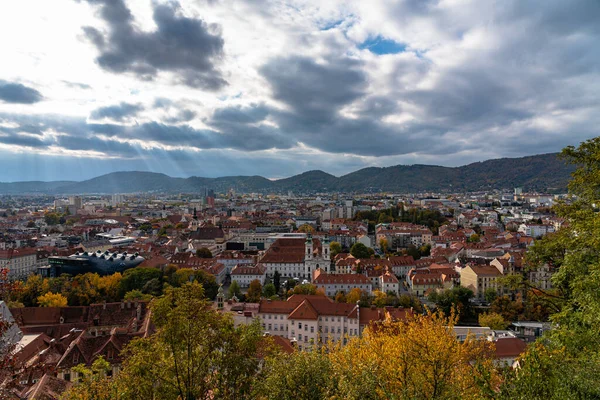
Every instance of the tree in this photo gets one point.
(474, 238)
(335, 248)
(94, 382)
(566, 364)
(383, 245)
(52, 300)
(34, 287)
(507, 308)
(301, 375)
(359, 250)
(136, 278)
(455, 300)
(340, 297)
(269, 290)
(493, 321)
(203, 252)
(380, 299)
(353, 296)
(196, 352)
(254, 291)
(234, 290)
(136, 295)
(417, 359)
(277, 281)
(490, 295)
(52, 218)
(306, 288)
(306, 228)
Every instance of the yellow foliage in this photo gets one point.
(52, 300)
(417, 359)
(353, 296)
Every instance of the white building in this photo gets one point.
(334, 283)
(244, 274)
(19, 262)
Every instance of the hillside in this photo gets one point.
(544, 172)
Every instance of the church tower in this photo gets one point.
(194, 224)
(326, 249)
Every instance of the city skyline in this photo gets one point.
(276, 88)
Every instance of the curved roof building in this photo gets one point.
(106, 263)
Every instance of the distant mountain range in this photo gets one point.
(545, 172)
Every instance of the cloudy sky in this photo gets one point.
(269, 87)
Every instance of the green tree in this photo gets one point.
(136, 295)
(136, 278)
(52, 218)
(490, 295)
(196, 352)
(301, 375)
(359, 250)
(94, 382)
(452, 300)
(234, 290)
(204, 252)
(335, 248)
(269, 290)
(254, 291)
(566, 363)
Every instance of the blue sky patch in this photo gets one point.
(379, 45)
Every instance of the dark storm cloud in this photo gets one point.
(18, 93)
(119, 112)
(188, 47)
(316, 93)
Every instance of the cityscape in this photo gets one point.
(296, 199)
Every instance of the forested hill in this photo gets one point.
(545, 172)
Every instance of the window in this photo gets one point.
(312, 329)
(299, 325)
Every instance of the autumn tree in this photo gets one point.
(383, 245)
(306, 228)
(353, 295)
(493, 321)
(52, 300)
(417, 359)
(340, 297)
(306, 288)
(254, 291)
